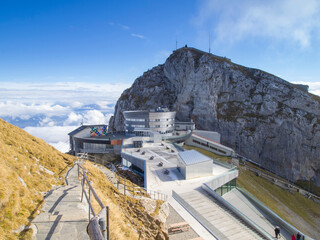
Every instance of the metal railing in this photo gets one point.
(122, 183)
(202, 220)
(282, 182)
(282, 223)
(248, 222)
(98, 227)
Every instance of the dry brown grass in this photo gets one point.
(127, 216)
(296, 209)
(23, 177)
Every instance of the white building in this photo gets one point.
(193, 164)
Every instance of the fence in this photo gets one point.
(283, 183)
(98, 227)
(122, 184)
(282, 223)
(247, 221)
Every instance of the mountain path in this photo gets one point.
(64, 216)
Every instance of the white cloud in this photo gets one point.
(26, 111)
(47, 122)
(290, 20)
(314, 87)
(51, 134)
(25, 100)
(125, 27)
(137, 35)
(73, 119)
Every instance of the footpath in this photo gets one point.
(64, 216)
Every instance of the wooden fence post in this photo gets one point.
(108, 223)
(89, 200)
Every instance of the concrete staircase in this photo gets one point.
(215, 217)
(64, 216)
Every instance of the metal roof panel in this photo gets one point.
(193, 157)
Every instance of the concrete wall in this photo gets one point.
(184, 126)
(199, 170)
(222, 179)
(139, 162)
(208, 145)
(195, 170)
(162, 122)
(214, 136)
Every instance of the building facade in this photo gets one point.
(94, 139)
(140, 122)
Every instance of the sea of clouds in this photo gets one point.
(51, 110)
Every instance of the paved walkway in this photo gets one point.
(216, 217)
(240, 202)
(64, 216)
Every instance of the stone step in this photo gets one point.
(64, 216)
(221, 218)
(241, 235)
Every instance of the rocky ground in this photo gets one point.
(261, 116)
(174, 217)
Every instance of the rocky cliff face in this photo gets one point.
(258, 114)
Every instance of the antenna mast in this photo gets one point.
(176, 44)
(209, 43)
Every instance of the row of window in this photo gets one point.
(158, 126)
(227, 187)
(165, 132)
(137, 119)
(135, 125)
(209, 146)
(150, 120)
(161, 120)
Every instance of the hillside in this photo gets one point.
(296, 209)
(261, 116)
(129, 217)
(28, 167)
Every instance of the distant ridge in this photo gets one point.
(261, 116)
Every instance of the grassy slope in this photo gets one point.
(26, 157)
(127, 215)
(291, 206)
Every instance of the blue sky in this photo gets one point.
(73, 58)
(115, 41)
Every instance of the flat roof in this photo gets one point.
(193, 157)
(84, 127)
(212, 141)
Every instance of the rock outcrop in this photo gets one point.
(261, 116)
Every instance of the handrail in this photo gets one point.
(141, 190)
(99, 222)
(202, 220)
(282, 223)
(239, 214)
(269, 177)
(121, 182)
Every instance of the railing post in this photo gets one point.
(103, 223)
(108, 223)
(89, 200)
(82, 184)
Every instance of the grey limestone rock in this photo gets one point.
(261, 116)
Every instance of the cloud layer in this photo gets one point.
(51, 111)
